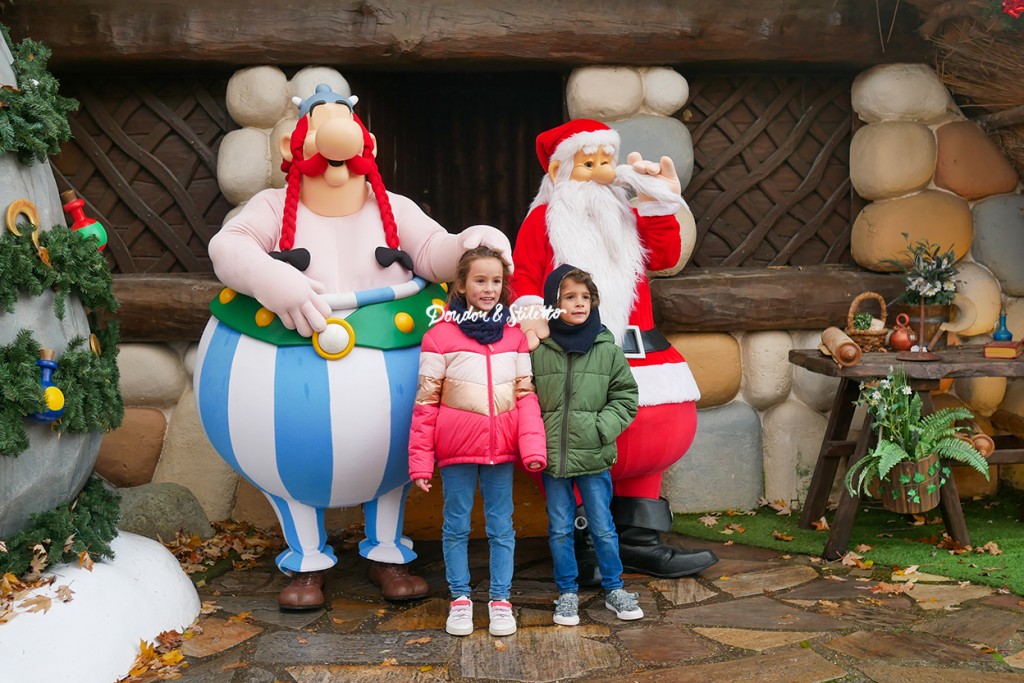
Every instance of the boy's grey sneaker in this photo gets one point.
(624, 605)
(567, 609)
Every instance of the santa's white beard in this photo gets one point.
(592, 227)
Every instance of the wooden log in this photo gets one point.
(175, 307)
(86, 33)
(164, 308)
(787, 298)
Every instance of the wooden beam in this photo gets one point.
(164, 308)
(470, 33)
(787, 298)
(176, 307)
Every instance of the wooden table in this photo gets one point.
(835, 446)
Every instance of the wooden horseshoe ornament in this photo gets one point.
(23, 207)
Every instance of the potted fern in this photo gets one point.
(907, 459)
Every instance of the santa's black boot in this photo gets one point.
(639, 521)
(587, 571)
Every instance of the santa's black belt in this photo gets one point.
(637, 343)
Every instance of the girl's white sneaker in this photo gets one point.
(503, 621)
(460, 617)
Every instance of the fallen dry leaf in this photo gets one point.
(68, 542)
(167, 641)
(729, 543)
(821, 524)
(38, 603)
(245, 617)
(912, 569)
(964, 584)
(850, 559)
(301, 641)
(864, 547)
(65, 594)
(3, 547)
(992, 548)
(984, 648)
(85, 560)
(738, 528)
(500, 645)
(419, 641)
(779, 536)
(779, 506)
(209, 607)
(708, 520)
(894, 588)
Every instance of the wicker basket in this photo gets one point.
(868, 340)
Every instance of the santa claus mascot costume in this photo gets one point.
(582, 216)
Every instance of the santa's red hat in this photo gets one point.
(562, 143)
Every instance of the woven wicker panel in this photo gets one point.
(144, 158)
(771, 174)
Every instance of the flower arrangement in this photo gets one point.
(931, 274)
(904, 435)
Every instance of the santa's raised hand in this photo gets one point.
(664, 171)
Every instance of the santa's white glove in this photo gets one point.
(487, 236)
(291, 295)
(533, 323)
(664, 170)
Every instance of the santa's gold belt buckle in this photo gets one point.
(336, 340)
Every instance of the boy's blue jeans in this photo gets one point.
(596, 492)
(459, 489)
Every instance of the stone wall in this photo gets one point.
(927, 171)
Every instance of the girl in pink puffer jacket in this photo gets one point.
(476, 413)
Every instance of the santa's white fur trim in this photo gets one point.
(666, 383)
(588, 141)
(526, 301)
(660, 208)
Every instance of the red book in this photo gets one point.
(1005, 349)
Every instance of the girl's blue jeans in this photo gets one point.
(459, 489)
(596, 493)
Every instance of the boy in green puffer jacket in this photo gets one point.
(587, 398)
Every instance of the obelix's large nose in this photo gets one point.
(339, 139)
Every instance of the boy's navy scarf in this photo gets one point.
(485, 328)
(572, 338)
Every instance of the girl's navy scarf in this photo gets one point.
(485, 328)
(572, 338)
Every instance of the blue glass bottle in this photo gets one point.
(1001, 333)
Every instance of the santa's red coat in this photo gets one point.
(667, 420)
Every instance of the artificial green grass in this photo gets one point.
(898, 541)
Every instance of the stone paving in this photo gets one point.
(755, 616)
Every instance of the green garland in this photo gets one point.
(88, 523)
(33, 116)
(89, 381)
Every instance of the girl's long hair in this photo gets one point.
(462, 274)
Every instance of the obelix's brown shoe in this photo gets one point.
(396, 583)
(305, 592)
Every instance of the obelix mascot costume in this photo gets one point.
(582, 216)
(306, 375)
